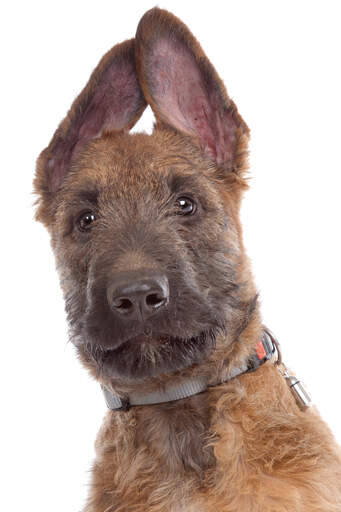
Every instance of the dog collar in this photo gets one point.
(263, 351)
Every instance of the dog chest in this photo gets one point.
(189, 507)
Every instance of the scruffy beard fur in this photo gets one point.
(148, 351)
(243, 445)
(146, 356)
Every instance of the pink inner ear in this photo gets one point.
(111, 105)
(187, 101)
(114, 103)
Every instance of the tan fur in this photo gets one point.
(257, 452)
(241, 446)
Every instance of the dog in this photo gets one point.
(161, 304)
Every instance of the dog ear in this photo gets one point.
(183, 88)
(111, 100)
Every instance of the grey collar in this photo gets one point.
(263, 351)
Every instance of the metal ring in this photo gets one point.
(276, 343)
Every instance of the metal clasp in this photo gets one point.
(296, 387)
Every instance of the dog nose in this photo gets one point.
(137, 296)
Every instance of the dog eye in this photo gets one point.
(85, 220)
(185, 206)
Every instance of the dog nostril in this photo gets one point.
(155, 300)
(123, 304)
(138, 295)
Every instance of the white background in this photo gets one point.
(280, 62)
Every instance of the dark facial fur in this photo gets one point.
(138, 226)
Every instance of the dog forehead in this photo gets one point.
(133, 165)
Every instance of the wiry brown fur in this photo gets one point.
(240, 446)
(243, 446)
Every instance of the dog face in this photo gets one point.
(145, 228)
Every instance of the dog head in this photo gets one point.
(145, 228)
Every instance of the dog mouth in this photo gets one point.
(147, 355)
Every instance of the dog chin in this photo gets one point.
(145, 356)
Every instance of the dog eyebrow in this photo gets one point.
(88, 195)
(177, 182)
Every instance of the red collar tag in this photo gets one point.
(260, 350)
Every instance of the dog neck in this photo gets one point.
(264, 349)
(177, 432)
